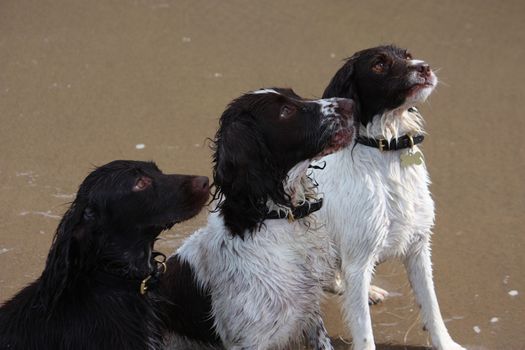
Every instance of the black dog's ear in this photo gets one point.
(243, 172)
(343, 82)
(66, 255)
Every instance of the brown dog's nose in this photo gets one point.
(423, 69)
(346, 106)
(201, 183)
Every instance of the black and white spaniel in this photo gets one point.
(377, 202)
(96, 289)
(258, 268)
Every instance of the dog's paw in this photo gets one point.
(376, 295)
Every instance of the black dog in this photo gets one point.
(93, 293)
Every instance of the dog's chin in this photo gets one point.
(188, 213)
(169, 225)
(418, 94)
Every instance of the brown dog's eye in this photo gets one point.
(141, 184)
(379, 67)
(286, 111)
(408, 56)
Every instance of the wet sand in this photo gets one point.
(83, 83)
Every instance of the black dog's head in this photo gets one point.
(119, 210)
(133, 196)
(264, 134)
(380, 79)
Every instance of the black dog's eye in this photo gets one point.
(286, 111)
(408, 56)
(141, 184)
(379, 67)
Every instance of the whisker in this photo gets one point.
(441, 82)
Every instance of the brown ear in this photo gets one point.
(244, 172)
(242, 159)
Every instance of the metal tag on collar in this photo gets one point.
(163, 268)
(144, 285)
(411, 157)
(380, 144)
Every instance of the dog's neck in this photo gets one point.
(244, 214)
(130, 258)
(394, 123)
(299, 186)
(121, 259)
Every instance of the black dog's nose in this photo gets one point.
(201, 183)
(346, 106)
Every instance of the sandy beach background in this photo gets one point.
(85, 82)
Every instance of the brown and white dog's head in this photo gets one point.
(382, 79)
(265, 142)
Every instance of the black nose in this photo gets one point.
(346, 106)
(201, 183)
(423, 69)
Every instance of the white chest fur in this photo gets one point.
(270, 281)
(381, 205)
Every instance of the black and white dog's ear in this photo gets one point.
(343, 82)
(244, 172)
(241, 158)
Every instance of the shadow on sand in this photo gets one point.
(341, 345)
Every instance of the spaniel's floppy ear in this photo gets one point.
(243, 172)
(343, 82)
(66, 256)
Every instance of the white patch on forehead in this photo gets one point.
(326, 101)
(265, 91)
(415, 62)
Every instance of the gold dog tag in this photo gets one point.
(411, 158)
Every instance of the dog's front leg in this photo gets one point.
(419, 268)
(358, 275)
(376, 295)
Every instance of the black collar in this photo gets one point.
(394, 144)
(405, 141)
(299, 212)
(140, 285)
